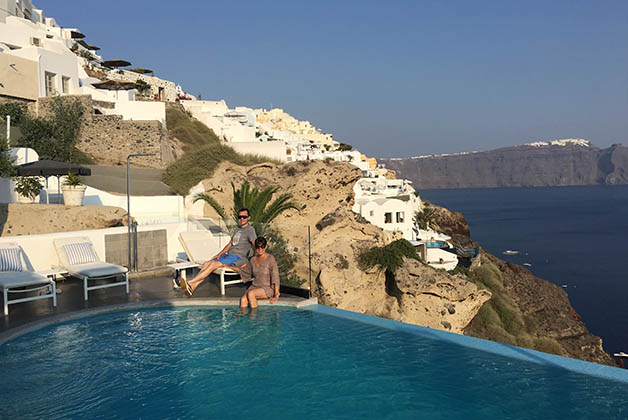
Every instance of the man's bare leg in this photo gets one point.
(206, 269)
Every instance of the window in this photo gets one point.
(372, 213)
(400, 217)
(50, 79)
(65, 84)
(387, 217)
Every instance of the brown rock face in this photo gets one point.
(449, 222)
(434, 298)
(29, 219)
(553, 315)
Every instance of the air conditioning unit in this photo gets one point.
(36, 42)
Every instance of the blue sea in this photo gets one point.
(575, 237)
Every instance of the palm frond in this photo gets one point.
(278, 206)
(212, 202)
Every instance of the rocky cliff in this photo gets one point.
(418, 294)
(496, 300)
(557, 163)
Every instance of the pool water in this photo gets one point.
(436, 244)
(279, 363)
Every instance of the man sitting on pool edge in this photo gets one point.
(233, 255)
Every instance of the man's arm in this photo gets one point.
(223, 252)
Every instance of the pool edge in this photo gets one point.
(506, 350)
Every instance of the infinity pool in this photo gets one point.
(436, 244)
(187, 362)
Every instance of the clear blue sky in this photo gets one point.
(399, 78)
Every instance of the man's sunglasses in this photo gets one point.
(243, 217)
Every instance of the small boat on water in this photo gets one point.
(527, 264)
(510, 252)
(621, 354)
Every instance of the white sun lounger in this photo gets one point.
(200, 246)
(14, 280)
(78, 257)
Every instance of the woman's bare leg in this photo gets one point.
(244, 302)
(255, 293)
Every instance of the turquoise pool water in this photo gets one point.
(282, 363)
(436, 244)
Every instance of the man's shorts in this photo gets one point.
(229, 259)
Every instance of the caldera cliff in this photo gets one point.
(540, 164)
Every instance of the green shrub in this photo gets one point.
(28, 186)
(548, 345)
(460, 270)
(389, 257)
(14, 110)
(54, 136)
(7, 162)
(286, 260)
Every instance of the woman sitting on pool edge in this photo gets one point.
(263, 267)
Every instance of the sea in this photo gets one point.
(574, 237)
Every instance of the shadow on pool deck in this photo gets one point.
(140, 290)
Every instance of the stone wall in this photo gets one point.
(104, 104)
(109, 140)
(152, 249)
(168, 87)
(28, 106)
(43, 108)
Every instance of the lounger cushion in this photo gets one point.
(96, 269)
(10, 259)
(80, 253)
(22, 278)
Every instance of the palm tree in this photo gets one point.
(424, 218)
(261, 209)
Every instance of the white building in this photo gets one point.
(387, 203)
(39, 58)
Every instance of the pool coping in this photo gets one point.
(506, 350)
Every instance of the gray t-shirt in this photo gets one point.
(241, 241)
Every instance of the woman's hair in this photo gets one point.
(260, 242)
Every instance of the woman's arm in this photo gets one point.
(274, 279)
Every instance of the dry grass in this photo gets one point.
(203, 152)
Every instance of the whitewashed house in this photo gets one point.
(387, 203)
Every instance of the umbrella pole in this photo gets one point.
(58, 189)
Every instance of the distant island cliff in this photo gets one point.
(539, 164)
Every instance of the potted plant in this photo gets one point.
(73, 190)
(27, 188)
